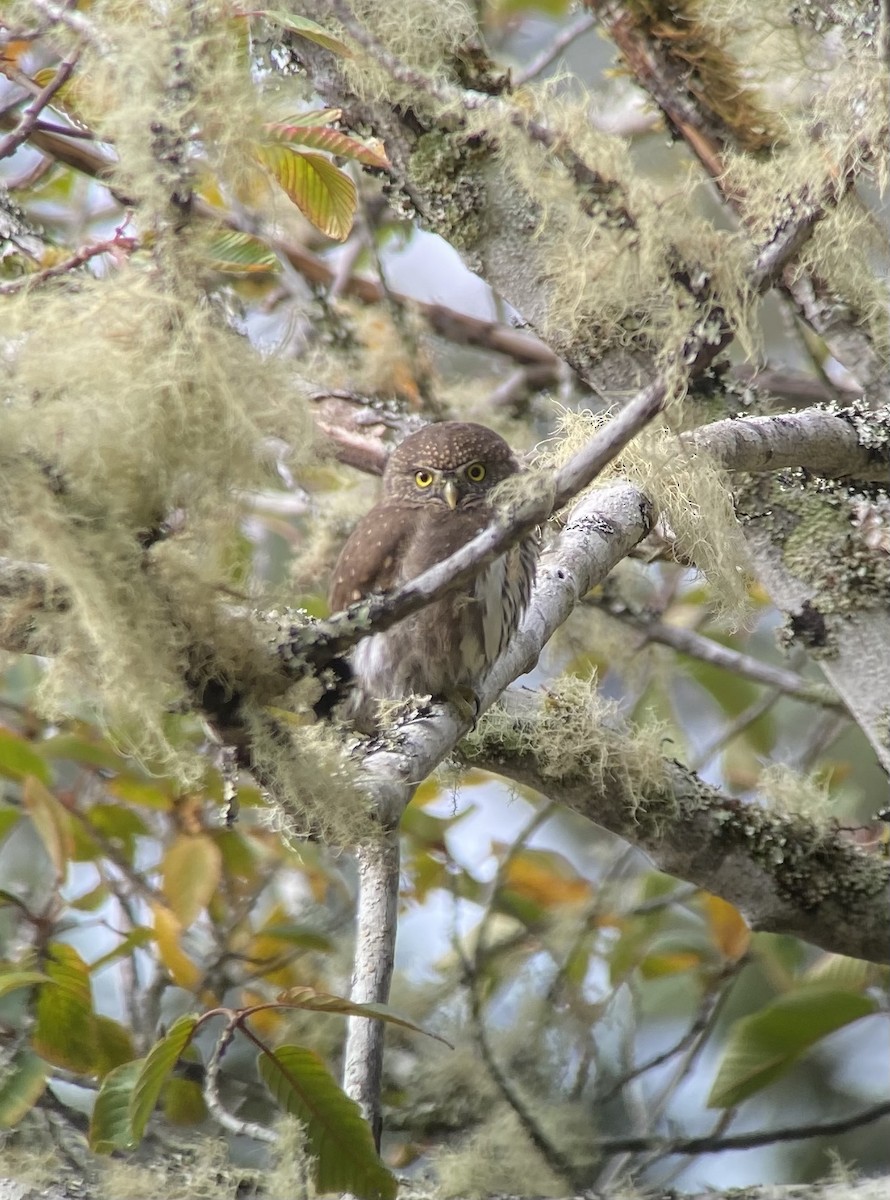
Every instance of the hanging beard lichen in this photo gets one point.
(128, 405)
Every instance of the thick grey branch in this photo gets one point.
(783, 872)
(846, 443)
(375, 939)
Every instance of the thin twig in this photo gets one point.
(741, 1141)
(77, 259)
(215, 1106)
(562, 40)
(695, 645)
(554, 1157)
(23, 130)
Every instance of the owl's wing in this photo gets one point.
(369, 560)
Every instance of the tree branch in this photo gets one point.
(784, 872)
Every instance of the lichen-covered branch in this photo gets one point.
(853, 442)
(375, 939)
(784, 872)
(706, 99)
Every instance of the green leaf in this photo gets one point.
(183, 1102)
(763, 1046)
(151, 793)
(9, 818)
(65, 1031)
(303, 27)
(18, 759)
(52, 822)
(321, 191)
(21, 979)
(322, 137)
(338, 1136)
(86, 749)
(161, 1060)
(309, 998)
(115, 1045)
(110, 1125)
(236, 253)
(21, 1087)
(135, 939)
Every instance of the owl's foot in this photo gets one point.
(466, 702)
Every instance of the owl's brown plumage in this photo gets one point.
(436, 497)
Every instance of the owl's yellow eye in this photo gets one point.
(475, 472)
(423, 479)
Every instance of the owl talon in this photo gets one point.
(466, 702)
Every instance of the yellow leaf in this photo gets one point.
(268, 1021)
(545, 878)
(168, 931)
(52, 822)
(191, 870)
(727, 926)
(671, 963)
(324, 194)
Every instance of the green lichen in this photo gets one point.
(447, 168)
(825, 548)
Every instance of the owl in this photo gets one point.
(436, 497)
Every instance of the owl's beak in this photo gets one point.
(451, 494)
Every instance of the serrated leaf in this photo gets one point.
(339, 1139)
(322, 137)
(22, 1085)
(65, 1030)
(190, 873)
(18, 759)
(52, 822)
(110, 1124)
(309, 998)
(322, 192)
(303, 27)
(763, 1046)
(156, 1067)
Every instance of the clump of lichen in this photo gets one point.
(313, 787)
(499, 1157)
(420, 35)
(574, 734)
(449, 171)
(828, 541)
(690, 494)
(132, 418)
(789, 793)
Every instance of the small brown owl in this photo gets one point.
(436, 497)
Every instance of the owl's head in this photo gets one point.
(452, 463)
